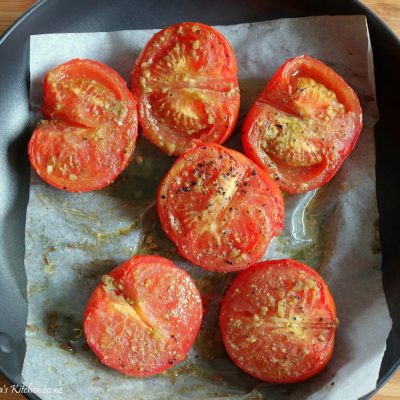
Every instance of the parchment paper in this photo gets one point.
(72, 239)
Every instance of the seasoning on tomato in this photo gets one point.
(90, 130)
(303, 125)
(143, 317)
(186, 84)
(219, 208)
(278, 321)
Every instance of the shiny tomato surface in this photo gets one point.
(219, 208)
(186, 84)
(303, 125)
(143, 317)
(90, 130)
(278, 321)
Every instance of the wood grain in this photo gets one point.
(387, 10)
(10, 10)
(391, 390)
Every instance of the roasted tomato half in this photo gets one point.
(90, 130)
(219, 208)
(278, 321)
(143, 317)
(303, 125)
(186, 84)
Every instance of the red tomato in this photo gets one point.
(219, 208)
(186, 84)
(144, 316)
(278, 321)
(303, 125)
(90, 132)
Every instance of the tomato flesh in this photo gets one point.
(278, 321)
(90, 130)
(186, 84)
(144, 316)
(303, 125)
(219, 208)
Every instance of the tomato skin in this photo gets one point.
(219, 208)
(186, 84)
(278, 321)
(90, 130)
(329, 133)
(144, 316)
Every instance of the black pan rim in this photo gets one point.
(369, 13)
(364, 10)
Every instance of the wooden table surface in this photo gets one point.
(388, 10)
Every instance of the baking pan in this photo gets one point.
(52, 16)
